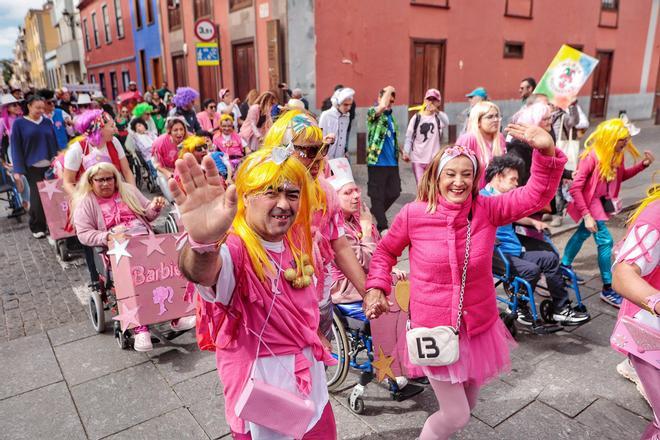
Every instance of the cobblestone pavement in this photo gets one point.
(61, 380)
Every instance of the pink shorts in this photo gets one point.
(325, 428)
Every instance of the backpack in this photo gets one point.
(418, 119)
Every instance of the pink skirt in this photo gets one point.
(482, 358)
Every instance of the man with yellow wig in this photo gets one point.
(250, 251)
(298, 130)
(595, 192)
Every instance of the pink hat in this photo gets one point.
(95, 158)
(432, 93)
(223, 92)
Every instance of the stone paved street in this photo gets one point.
(61, 380)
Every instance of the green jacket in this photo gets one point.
(376, 131)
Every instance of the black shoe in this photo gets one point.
(407, 392)
(525, 315)
(17, 212)
(570, 316)
(421, 380)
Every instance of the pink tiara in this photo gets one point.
(95, 158)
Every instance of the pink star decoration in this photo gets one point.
(153, 244)
(50, 187)
(127, 316)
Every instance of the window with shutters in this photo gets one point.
(119, 20)
(106, 24)
(202, 8)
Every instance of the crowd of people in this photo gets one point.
(277, 231)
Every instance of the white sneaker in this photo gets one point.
(39, 234)
(183, 324)
(626, 370)
(142, 342)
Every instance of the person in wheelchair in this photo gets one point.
(165, 151)
(104, 204)
(143, 140)
(502, 176)
(362, 236)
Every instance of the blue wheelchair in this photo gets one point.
(519, 290)
(352, 348)
(9, 194)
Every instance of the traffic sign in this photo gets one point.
(205, 29)
(208, 54)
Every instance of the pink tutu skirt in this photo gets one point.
(482, 358)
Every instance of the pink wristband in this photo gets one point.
(200, 248)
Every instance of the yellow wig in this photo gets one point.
(190, 143)
(297, 126)
(603, 142)
(257, 174)
(226, 117)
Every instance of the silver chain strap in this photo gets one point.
(465, 266)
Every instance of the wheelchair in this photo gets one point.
(146, 175)
(9, 194)
(516, 288)
(352, 348)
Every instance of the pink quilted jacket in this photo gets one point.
(436, 245)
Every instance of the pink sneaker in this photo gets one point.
(183, 324)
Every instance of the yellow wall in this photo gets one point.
(37, 21)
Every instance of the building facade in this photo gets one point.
(66, 20)
(109, 51)
(145, 20)
(40, 38)
(21, 77)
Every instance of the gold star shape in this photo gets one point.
(383, 365)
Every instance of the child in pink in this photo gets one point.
(434, 228)
(637, 278)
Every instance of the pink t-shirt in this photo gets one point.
(116, 212)
(165, 151)
(428, 137)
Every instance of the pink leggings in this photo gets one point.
(649, 375)
(456, 400)
(325, 428)
(418, 170)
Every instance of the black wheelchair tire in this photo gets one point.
(547, 310)
(343, 364)
(96, 312)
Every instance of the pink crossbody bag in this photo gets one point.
(636, 338)
(272, 407)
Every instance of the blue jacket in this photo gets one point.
(506, 235)
(31, 143)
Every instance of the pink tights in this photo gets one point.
(456, 400)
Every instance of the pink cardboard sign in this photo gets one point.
(148, 284)
(56, 206)
(388, 334)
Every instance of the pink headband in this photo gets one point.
(455, 151)
(95, 158)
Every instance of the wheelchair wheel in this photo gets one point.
(96, 312)
(340, 351)
(170, 224)
(356, 405)
(547, 310)
(510, 322)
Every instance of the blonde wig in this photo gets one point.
(296, 126)
(190, 143)
(428, 189)
(257, 174)
(478, 111)
(227, 117)
(85, 186)
(603, 142)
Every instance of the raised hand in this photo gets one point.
(534, 136)
(648, 158)
(207, 209)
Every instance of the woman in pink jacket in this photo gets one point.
(436, 228)
(595, 189)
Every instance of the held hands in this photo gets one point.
(535, 137)
(375, 303)
(405, 156)
(207, 210)
(648, 158)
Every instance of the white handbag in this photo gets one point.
(570, 147)
(438, 346)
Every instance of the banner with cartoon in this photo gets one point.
(565, 76)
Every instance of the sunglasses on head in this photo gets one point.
(312, 151)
